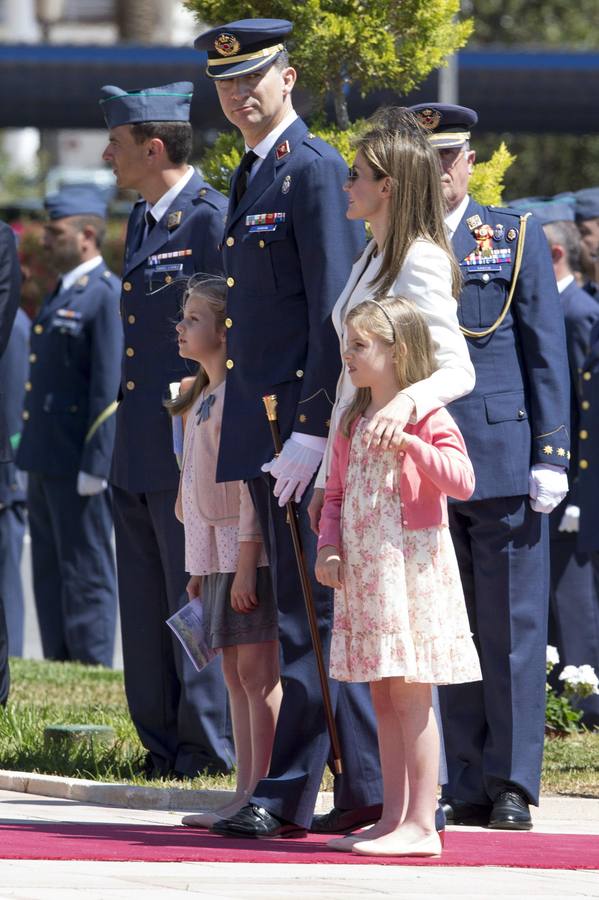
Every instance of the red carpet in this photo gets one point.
(135, 843)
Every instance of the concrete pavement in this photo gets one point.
(35, 880)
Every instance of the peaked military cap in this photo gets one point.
(448, 125)
(76, 200)
(241, 47)
(586, 204)
(547, 209)
(167, 103)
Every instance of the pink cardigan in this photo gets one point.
(432, 467)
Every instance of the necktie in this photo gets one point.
(244, 173)
(150, 221)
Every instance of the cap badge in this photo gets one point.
(473, 222)
(227, 44)
(282, 150)
(174, 219)
(429, 118)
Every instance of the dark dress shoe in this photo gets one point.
(458, 812)
(510, 810)
(256, 822)
(342, 821)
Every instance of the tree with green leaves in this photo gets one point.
(371, 43)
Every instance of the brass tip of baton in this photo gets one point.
(337, 767)
(270, 402)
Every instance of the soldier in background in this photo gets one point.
(10, 285)
(586, 211)
(14, 366)
(68, 435)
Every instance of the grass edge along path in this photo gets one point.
(52, 693)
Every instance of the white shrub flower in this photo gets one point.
(580, 681)
(552, 657)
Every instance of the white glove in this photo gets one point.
(570, 519)
(88, 485)
(547, 487)
(293, 468)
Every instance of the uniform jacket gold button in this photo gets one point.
(583, 435)
(130, 385)
(300, 373)
(583, 463)
(230, 282)
(586, 376)
(302, 418)
(585, 404)
(229, 364)
(261, 244)
(130, 351)
(131, 320)
(168, 279)
(25, 414)
(230, 241)
(33, 357)
(229, 322)
(38, 329)
(27, 385)
(127, 285)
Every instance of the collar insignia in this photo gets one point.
(174, 219)
(282, 150)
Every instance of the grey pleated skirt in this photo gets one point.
(223, 626)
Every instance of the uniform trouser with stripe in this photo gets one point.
(494, 729)
(12, 531)
(181, 715)
(73, 569)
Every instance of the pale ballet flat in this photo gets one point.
(426, 848)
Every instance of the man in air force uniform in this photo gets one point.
(174, 231)
(516, 426)
(68, 435)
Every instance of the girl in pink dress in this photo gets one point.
(224, 552)
(384, 545)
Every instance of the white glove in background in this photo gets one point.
(570, 520)
(88, 485)
(293, 470)
(547, 487)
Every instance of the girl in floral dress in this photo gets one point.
(224, 553)
(384, 545)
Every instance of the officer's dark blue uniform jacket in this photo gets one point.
(282, 288)
(518, 413)
(14, 366)
(587, 482)
(10, 287)
(185, 241)
(76, 346)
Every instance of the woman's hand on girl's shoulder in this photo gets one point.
(194, 587)
(328, 568)
(386, 428)
(243, 590)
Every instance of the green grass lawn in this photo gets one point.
(46, 693)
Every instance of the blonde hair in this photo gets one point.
(213, 290)
(398, 323)
(396, 146)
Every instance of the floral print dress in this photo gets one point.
(401, 611)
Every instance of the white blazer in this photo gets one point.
(425, 278)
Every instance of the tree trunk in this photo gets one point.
(137, 20)
(341, 113)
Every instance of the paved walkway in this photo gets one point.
(34, 880)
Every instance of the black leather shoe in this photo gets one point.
(256, 822)
(458, 812)
(510, 810)
(342, 821)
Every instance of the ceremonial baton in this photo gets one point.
(270, 402)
